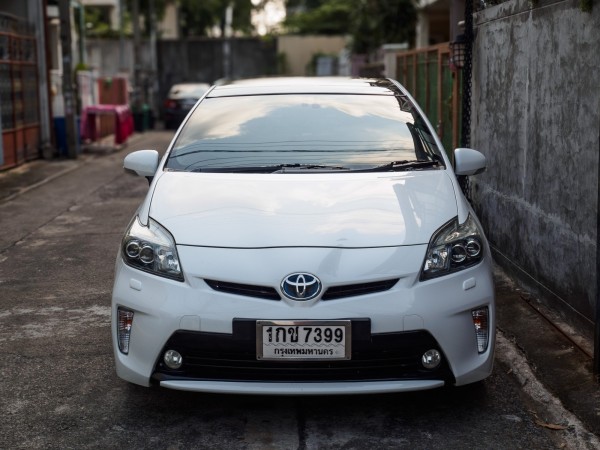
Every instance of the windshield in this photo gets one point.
(343, 132)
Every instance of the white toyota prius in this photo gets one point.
(304, 236)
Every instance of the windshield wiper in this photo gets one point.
(393, 166)
(240, 169)
(289, 168)
(276, 168)
(404, 166)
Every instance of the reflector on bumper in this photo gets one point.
(124, 323)
(481, 321)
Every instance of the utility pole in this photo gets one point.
(227, 33)
(68, 86)
(153, 64)
(81, 11)
(121, 38)
(137, 67)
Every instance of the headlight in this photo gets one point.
(452, 248)
(151, 249)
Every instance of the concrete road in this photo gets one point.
(58, 388)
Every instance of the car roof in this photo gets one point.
(306, 85)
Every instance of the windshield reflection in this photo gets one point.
(355, 131)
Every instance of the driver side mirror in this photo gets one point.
(468, 162)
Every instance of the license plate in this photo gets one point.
(306, 340)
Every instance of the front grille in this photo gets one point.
(353, 290)
(247, 290)
(232, 357)
(333, 293)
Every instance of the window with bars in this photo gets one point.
(18, 73)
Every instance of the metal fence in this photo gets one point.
(427, 74)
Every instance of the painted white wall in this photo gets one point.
(299, 50)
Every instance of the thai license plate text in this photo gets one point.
(303, 340)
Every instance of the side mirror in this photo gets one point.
(468, 162)
(143, 163)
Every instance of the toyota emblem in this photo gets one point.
(301, 286)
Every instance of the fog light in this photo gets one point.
(480, 320)
(124, 323)
(431, 359)
(173, 359)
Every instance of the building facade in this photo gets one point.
(24, 99)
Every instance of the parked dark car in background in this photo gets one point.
(180, 99)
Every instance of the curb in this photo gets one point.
(88, 153)
(555, 415)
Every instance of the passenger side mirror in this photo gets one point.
(142, 163)
(468, 162)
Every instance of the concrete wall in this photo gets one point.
(195, 60)
(104, 56)
(535, 115)
(299, 50)
(201, 60)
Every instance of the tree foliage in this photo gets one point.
(96, 23)
(370, 23)
(320, 17)
(199, 18)
(145, 11)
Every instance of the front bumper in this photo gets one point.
(232, 357)
(333, 388)
(391, 329)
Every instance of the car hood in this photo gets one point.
(303, 210)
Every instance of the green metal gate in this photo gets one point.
(427, 75)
